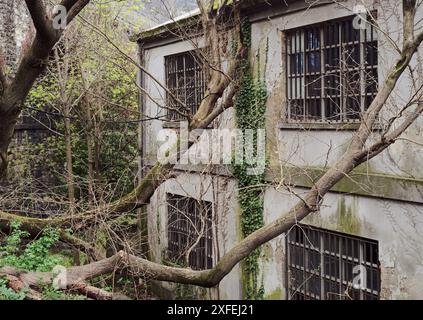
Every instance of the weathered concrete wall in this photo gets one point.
(154, 61)
(385, 203)
(221, 191)
(397, 226)
(318, 148)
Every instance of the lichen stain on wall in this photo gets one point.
(274, 295)
(273, 115)
(348, 222)
(344, 219)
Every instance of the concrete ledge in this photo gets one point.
(332, 126)
(358, 183)
(370, 184)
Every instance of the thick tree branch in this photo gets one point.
(41, 20)
(68, 4)
(35, 226)
(409, 13)
(76, 8)
(3, 78)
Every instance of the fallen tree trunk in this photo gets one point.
(73, 279)
(84, 289)
(97, 293)
(75, 276)
(18, 286)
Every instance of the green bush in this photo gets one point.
(9, 294)
(35, 256)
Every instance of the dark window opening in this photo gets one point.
(186, 80)
(327, 265)
(190, 230)
(331, 71)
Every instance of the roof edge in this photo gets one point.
(168, 28)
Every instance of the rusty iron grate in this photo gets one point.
(186, 80)
(332, 71)
(321, 263)
(190, 228)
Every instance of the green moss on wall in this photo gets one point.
(370, 184)
(348, 221)
(274, 295)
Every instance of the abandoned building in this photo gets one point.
(372, 219)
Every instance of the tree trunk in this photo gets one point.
(9, 113)
(90, 140)
(90, 159)
(69, 162)
(34, 57)
(97, 145)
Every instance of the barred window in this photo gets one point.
(324, 265)
(186, 80)
(190, 230)
(332, 71)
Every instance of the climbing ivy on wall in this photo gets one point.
(250, 106)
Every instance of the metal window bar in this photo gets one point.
(189, 224)
(185, 79)
(320, 265)
(331, 71)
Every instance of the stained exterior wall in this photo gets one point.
(384, 201)
(219, 190)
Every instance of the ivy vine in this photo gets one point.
(250, 106)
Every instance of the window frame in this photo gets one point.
(202, 255)
(199, 90)
(338, 256)
(368, 43)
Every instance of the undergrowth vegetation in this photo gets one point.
(16, 251)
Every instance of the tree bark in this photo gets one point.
(70, 179)
(8, 118)
(18, 285)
